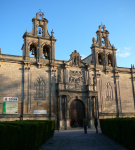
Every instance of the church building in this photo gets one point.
(43, 88)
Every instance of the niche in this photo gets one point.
(33, 50)
(109, 60)
(39, 30)
(100, 59)
(46, 50)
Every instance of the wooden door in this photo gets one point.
(77, 111)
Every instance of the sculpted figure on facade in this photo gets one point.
(75, 58)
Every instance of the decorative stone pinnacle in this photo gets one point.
(93, 39)
(100, 27)
(52, 33)
(104, 28)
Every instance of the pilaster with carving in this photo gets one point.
(40, 51)
(26, 85)
(53, 88)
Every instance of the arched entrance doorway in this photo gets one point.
(77, 111)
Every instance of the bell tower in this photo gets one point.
(103, 53)
(38, 42)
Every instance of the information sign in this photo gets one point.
(10, 98)
(10, 107)
(39, 111)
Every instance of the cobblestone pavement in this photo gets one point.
(76, 140)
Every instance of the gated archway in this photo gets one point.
(77, 111)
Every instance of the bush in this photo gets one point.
(121, 130)
(28, 135)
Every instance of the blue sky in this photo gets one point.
(74, 23)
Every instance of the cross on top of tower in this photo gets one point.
(102, 26)
(40, 13)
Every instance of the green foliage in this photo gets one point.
(25, 135)
(121, 130)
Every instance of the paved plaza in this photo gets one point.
(75, 139)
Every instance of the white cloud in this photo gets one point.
(127, 48)
(83, 56)
(124, 53)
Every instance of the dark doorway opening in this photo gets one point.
(77, 111)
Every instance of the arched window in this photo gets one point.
(33, 50)
(109, 92)
(100, 59)
(109, 60)
(40, 89)
(46, 50)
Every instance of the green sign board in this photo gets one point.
(10, 107)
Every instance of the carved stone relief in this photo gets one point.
(76, 79)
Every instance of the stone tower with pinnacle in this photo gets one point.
(38, 42)
(103, 53)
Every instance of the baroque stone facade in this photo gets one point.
(67, 90)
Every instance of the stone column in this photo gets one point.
(90, 107)
(96, 57)
(27, 50)
(60, 109)
(115, 62)
(45, 29)
(67, 113)
(35, 27)
(40, 50)
(106, 63)
(90, 115)
(53, 51)
(26, 88)
(96, 106)
(60, 114)
(94, 100)
(88, 77)
(107, 60)
(67, 110)
(66, 74)
(87, 108)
